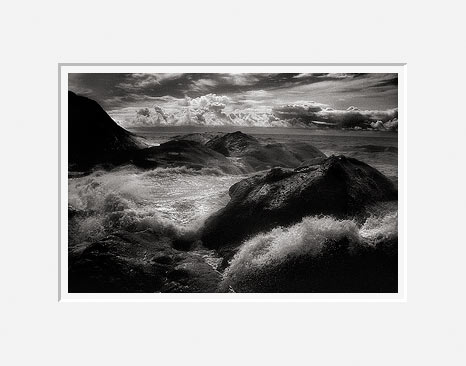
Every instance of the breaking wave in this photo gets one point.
(265, 261)
(172, 202)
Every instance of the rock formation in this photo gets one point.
(337, 186)
(256, 155)
(94, 137)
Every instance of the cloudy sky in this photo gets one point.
(367, 101)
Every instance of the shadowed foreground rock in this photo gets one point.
(337, 186)
(138, 262)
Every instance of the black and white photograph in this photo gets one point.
(232, 182)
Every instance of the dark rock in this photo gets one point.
(338, 186)
(138, 262)
(255, 155)
(201, 137)
(190, 154)
(94, 137)
(232, 153)
(339, 268)
(162, 259)
(73, 212)
(233, 144)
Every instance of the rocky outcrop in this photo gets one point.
(233, 144)
(337, 186)
(232, 153)
(94, 137)
(190, 154)
(255, 155)
(201, 137)
(138, 262)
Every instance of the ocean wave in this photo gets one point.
(182, 170)
(282, 257)
(172, 202)
(113, 216)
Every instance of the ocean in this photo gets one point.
(173, 203)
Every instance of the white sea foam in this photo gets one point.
(171, 201)
(306, 239)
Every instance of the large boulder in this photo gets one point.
(254, 155)
(337, 186)
(233, 144)
(94, 137)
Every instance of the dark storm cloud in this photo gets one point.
(391, 82)
(313, 113)
(115, 90)
(198, 84)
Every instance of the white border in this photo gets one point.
(65, 69)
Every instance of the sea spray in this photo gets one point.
(266, 261)
(172, 202)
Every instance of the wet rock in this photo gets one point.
(337, 186)
(256, 155)
(138, 262)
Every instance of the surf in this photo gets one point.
(275, 259)
(172, 202)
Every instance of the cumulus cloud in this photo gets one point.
(143, 112)
(207, 101)
(146, 117)
(205, 110)
(391, 125)
(161, 112)
(221, 110)
(254, 118)
(215, 110)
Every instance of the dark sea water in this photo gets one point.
(175, 202)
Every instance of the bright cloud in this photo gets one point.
(221, 110)
(337, 100)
